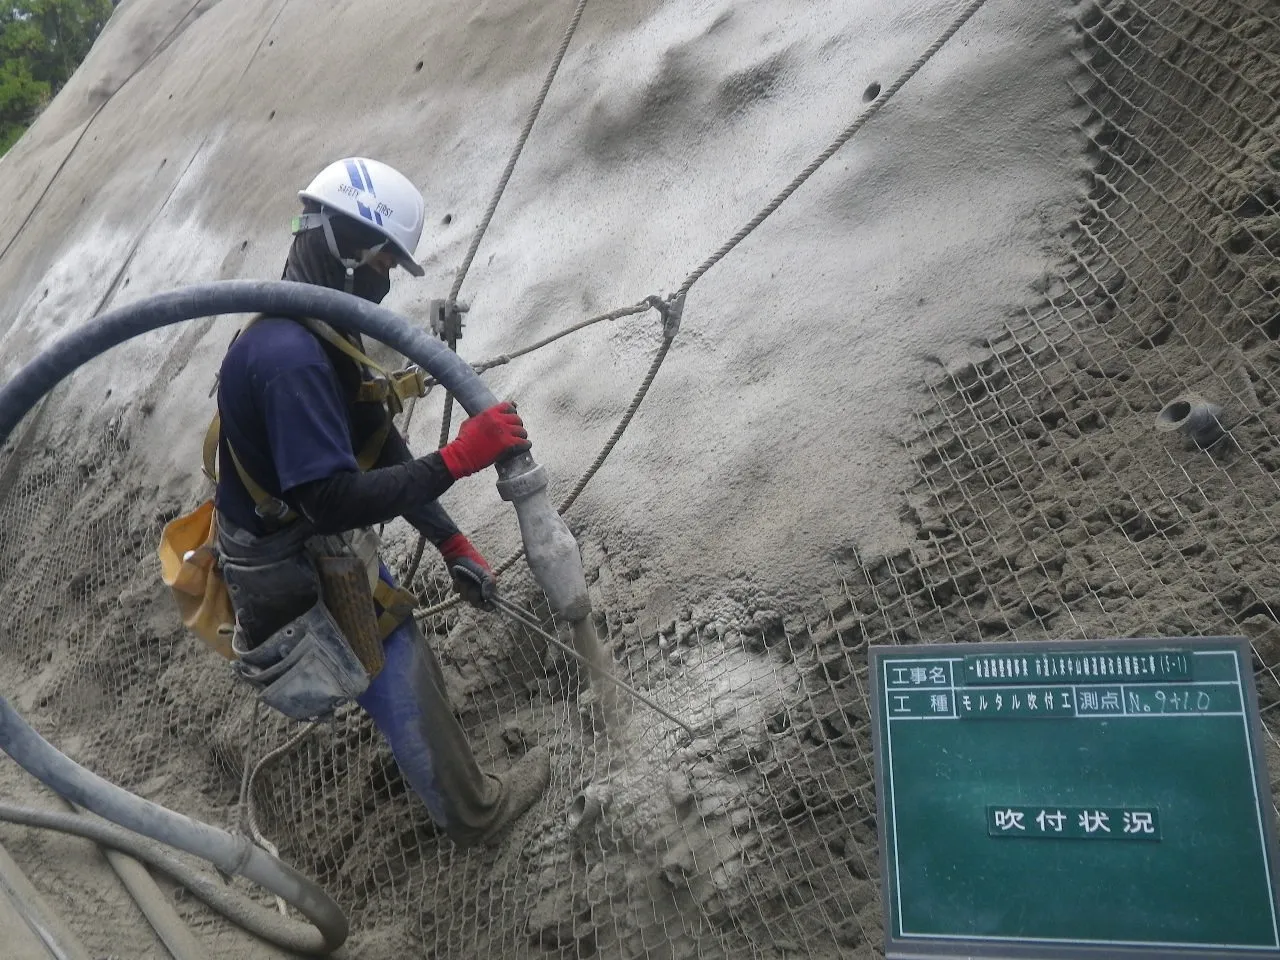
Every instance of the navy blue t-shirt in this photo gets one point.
(287, 401)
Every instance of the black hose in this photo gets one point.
(231, 854)
(281, 297)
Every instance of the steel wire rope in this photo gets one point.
(485, 220)
(505, 358)
(507, 173)
(519, 147)
(845, 136)
(678, 298)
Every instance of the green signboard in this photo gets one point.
(1066, 799)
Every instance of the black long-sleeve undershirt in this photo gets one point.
(348, 501)
(397, 486)
(429, 517)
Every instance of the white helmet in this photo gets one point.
(373, 193)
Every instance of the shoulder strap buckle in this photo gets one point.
(409, 382)
(275, 510)
(373, 390)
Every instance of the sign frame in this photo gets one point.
(940, 947)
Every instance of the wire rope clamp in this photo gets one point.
(671, 309)
(446, 319)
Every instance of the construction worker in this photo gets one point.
(310, 461)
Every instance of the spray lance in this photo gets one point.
(550, 547)
(487, 590)
(551, 550)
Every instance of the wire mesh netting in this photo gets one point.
(1047, 506)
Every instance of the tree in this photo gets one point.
(41, 44)
(21, 97)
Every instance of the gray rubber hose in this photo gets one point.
(231, 854)
(258, 920)
(172, 930)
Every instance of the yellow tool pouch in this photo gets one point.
(189, 568)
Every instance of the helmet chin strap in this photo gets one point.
(309, 221)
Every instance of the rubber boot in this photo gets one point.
(407, 701)
(522, 785)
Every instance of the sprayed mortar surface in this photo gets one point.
(672, 123)
(764, 452)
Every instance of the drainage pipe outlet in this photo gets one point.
(1193, 417)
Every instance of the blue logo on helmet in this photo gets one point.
(361, 180)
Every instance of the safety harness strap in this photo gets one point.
(387, 389)
(372, 449)
(266, 503)
(381, 385)
(269, 507)
(211, 447)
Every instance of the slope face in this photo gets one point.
(764, 462)
(764, 451)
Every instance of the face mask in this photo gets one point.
(371, 285)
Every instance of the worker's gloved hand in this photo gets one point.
(472, 578)
(484, 439)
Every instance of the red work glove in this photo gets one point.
(483, 439)
(471, 575)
